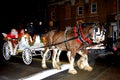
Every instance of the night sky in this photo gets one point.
(21, 11)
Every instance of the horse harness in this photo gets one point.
(80, 38)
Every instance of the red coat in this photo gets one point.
(9, 36)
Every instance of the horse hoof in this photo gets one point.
(57, 67)
(58, 63)
(81, 67)
(80, 64)
(72, 71)
(44, 67)
(88, 68)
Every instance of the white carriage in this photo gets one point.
(23, 46)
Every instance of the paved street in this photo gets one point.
(104, 69)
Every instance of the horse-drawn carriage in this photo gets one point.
(74, 41)
(17, 43)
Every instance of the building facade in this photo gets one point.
(67, 12)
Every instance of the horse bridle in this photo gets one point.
(95, 31)
(101, 33)
(80, 36)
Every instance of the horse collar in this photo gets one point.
(81, 37)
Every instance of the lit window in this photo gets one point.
(80, 10)
(93, 8)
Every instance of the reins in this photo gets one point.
(59, 42)
(66, 40)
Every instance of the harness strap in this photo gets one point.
(75, 34)
(81, 35)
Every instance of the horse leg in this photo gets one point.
(68, 55)
(44, 59)
(58, 57)
(83, 62)
(72, 70)
(80, 62)
(87, 66)
(54, 63)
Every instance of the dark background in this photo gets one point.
(14, 12)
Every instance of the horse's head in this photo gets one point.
(97, 33)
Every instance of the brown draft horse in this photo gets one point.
(70, 43)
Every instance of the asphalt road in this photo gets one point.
(107, 68)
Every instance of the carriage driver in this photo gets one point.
(30, 29)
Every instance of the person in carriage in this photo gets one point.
(12, 38)
(33, 34)
(30, 32)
